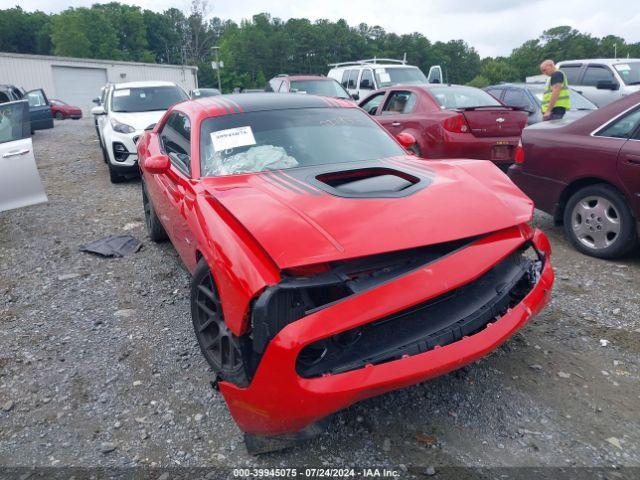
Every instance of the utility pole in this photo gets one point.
(615, 50)
(216, 50)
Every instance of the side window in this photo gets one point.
(353, 79)
(176, 140)
(572, 73)
(17, 94)
(371, 106)
(595, 74)
(275, 84)
(14, 121)
(399, 102)
(516, 98)
(36, 98)
(366, 81)
(495, 92)
(4, 97)
(623, 127)
(345, 78)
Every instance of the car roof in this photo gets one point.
(308, 77)
(120, 86)
(255, 102)
(607, 61)
(372, 65)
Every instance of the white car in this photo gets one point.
(20, 183)
(130, 108)
(362, 77)
(603, 80)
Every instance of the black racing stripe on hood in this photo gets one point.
(294, 181)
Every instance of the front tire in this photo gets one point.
(598, 222)
(156, 231)
(114, 176)
(224, 352)
(59, 116)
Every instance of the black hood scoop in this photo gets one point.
(371, 182)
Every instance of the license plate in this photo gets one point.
(502, 152)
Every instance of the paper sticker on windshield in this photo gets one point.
(232, 138)
(622, 67)
(384, 77)
(122, 93)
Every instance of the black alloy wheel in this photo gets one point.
(224, 351)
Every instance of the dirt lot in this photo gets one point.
(99, 364)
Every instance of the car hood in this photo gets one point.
(298, 221)
(138, 120)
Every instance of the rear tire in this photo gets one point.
(156, 231)
(598, 222)
(224, 352)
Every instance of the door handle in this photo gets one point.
(16, 153)
(395, 124)
(633, 159)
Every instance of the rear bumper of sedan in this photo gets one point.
(285, 397)
(499, 150)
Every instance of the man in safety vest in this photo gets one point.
(555, 100)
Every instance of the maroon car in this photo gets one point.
(449, 121)
(62, 110)
(311, 84)
(586, 173)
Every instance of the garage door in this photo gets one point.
(78, 85)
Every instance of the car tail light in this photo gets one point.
(519, 157)
(456, 124)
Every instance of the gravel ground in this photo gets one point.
(99, 364)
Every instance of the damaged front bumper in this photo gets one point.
(422, 324)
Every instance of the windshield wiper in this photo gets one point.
(634, 83)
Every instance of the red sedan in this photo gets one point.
(62, 110)
(586, 173)
(328, 265)
(449, 121)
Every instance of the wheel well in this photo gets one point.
(573, 188)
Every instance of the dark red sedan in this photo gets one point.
(62, 110)
(449, 121)
(328, 265)
(586, 173)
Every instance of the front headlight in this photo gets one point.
(121, 127)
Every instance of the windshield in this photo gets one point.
(398, 75)
(462, 97)
(325, 88)
(145, 99)
(282, 139)
(578, 102)
(629, 72)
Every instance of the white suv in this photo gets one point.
(603, 80)
(128, 109)
(362, 77)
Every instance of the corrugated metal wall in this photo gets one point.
(34, 71)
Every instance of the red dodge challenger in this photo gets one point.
(328, 264)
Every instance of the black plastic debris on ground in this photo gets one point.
(113, 246)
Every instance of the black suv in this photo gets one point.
(39, 106)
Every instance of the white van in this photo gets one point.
(603, 80)
(361, 77)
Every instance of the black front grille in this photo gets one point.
(439, 321)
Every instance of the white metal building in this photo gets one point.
(78, 80)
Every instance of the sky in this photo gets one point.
(493, 27)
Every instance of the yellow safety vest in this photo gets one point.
(563, 99)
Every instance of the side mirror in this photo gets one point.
(157, 164)
(96, 100)
(99, 110)
(607, 85)
(355, 96)
(406, 140)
